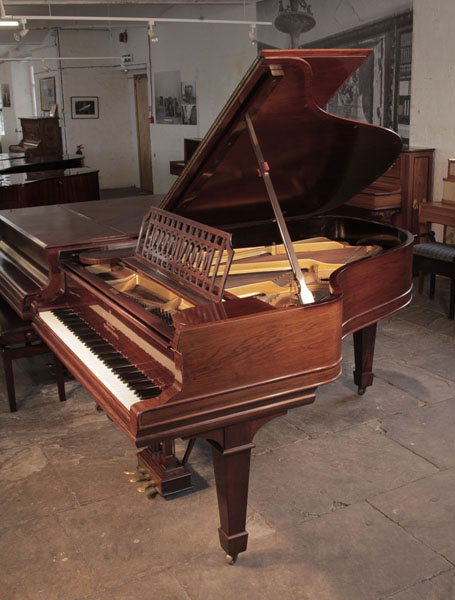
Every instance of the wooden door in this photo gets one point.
(144, 149)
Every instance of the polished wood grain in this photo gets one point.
(19, 190)
(228, 367)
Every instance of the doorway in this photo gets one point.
(144, 149)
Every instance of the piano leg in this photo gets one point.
(364, 341)
(167, 471)
(231, 450)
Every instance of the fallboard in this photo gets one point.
(187, 251)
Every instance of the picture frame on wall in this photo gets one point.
(84, 107)
(47, 93)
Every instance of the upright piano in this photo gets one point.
(230, 308)
(40, 136)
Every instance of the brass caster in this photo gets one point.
(231, 560)
(361, 390)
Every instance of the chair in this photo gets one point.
(437, 259)
(18, 339)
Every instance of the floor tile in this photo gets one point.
(30, 487)
(355, 553)
(39, 562)
(426, 509)
(424, 430)
(441, 587)
(339, 407)
(317, 476)
(124, 536)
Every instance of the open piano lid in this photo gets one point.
(317, 161)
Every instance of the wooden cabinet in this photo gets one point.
(395, 197)
(413, 171)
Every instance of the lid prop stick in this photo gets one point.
(305, 296)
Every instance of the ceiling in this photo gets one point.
(112, 13)
(12, 5)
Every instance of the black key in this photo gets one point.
(144, 394)
(136, 377)
(115, 361)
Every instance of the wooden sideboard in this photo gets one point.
(18, 190)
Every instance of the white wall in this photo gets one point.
(433, 84)
(109, 141)
(213, 56)
(17, 76)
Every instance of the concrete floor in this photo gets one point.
(351, 498)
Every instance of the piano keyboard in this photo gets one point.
(122, 378)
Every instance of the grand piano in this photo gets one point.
(230, 308)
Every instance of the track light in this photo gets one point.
(8, 23)
(18, 35)
(152, 35)
(252, 34)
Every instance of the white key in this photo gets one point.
(121, 391)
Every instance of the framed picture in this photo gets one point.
(84, 107)
(47, 92)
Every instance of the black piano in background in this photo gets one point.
(230, 308)
(13, 163)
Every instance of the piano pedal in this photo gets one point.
(138, 477)
(151, 483)
(134, 471)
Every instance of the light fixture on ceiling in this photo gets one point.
(18, 35)
(294, 19)
(152, 35)
(252, 34)
(6, 21)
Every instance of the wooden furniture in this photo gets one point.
(448, 193)
(10, 163)
(39, 188)
(40, 136)
(18, 339)
(198, 331)
(190, 146)
(433, 257)
(411, 177)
